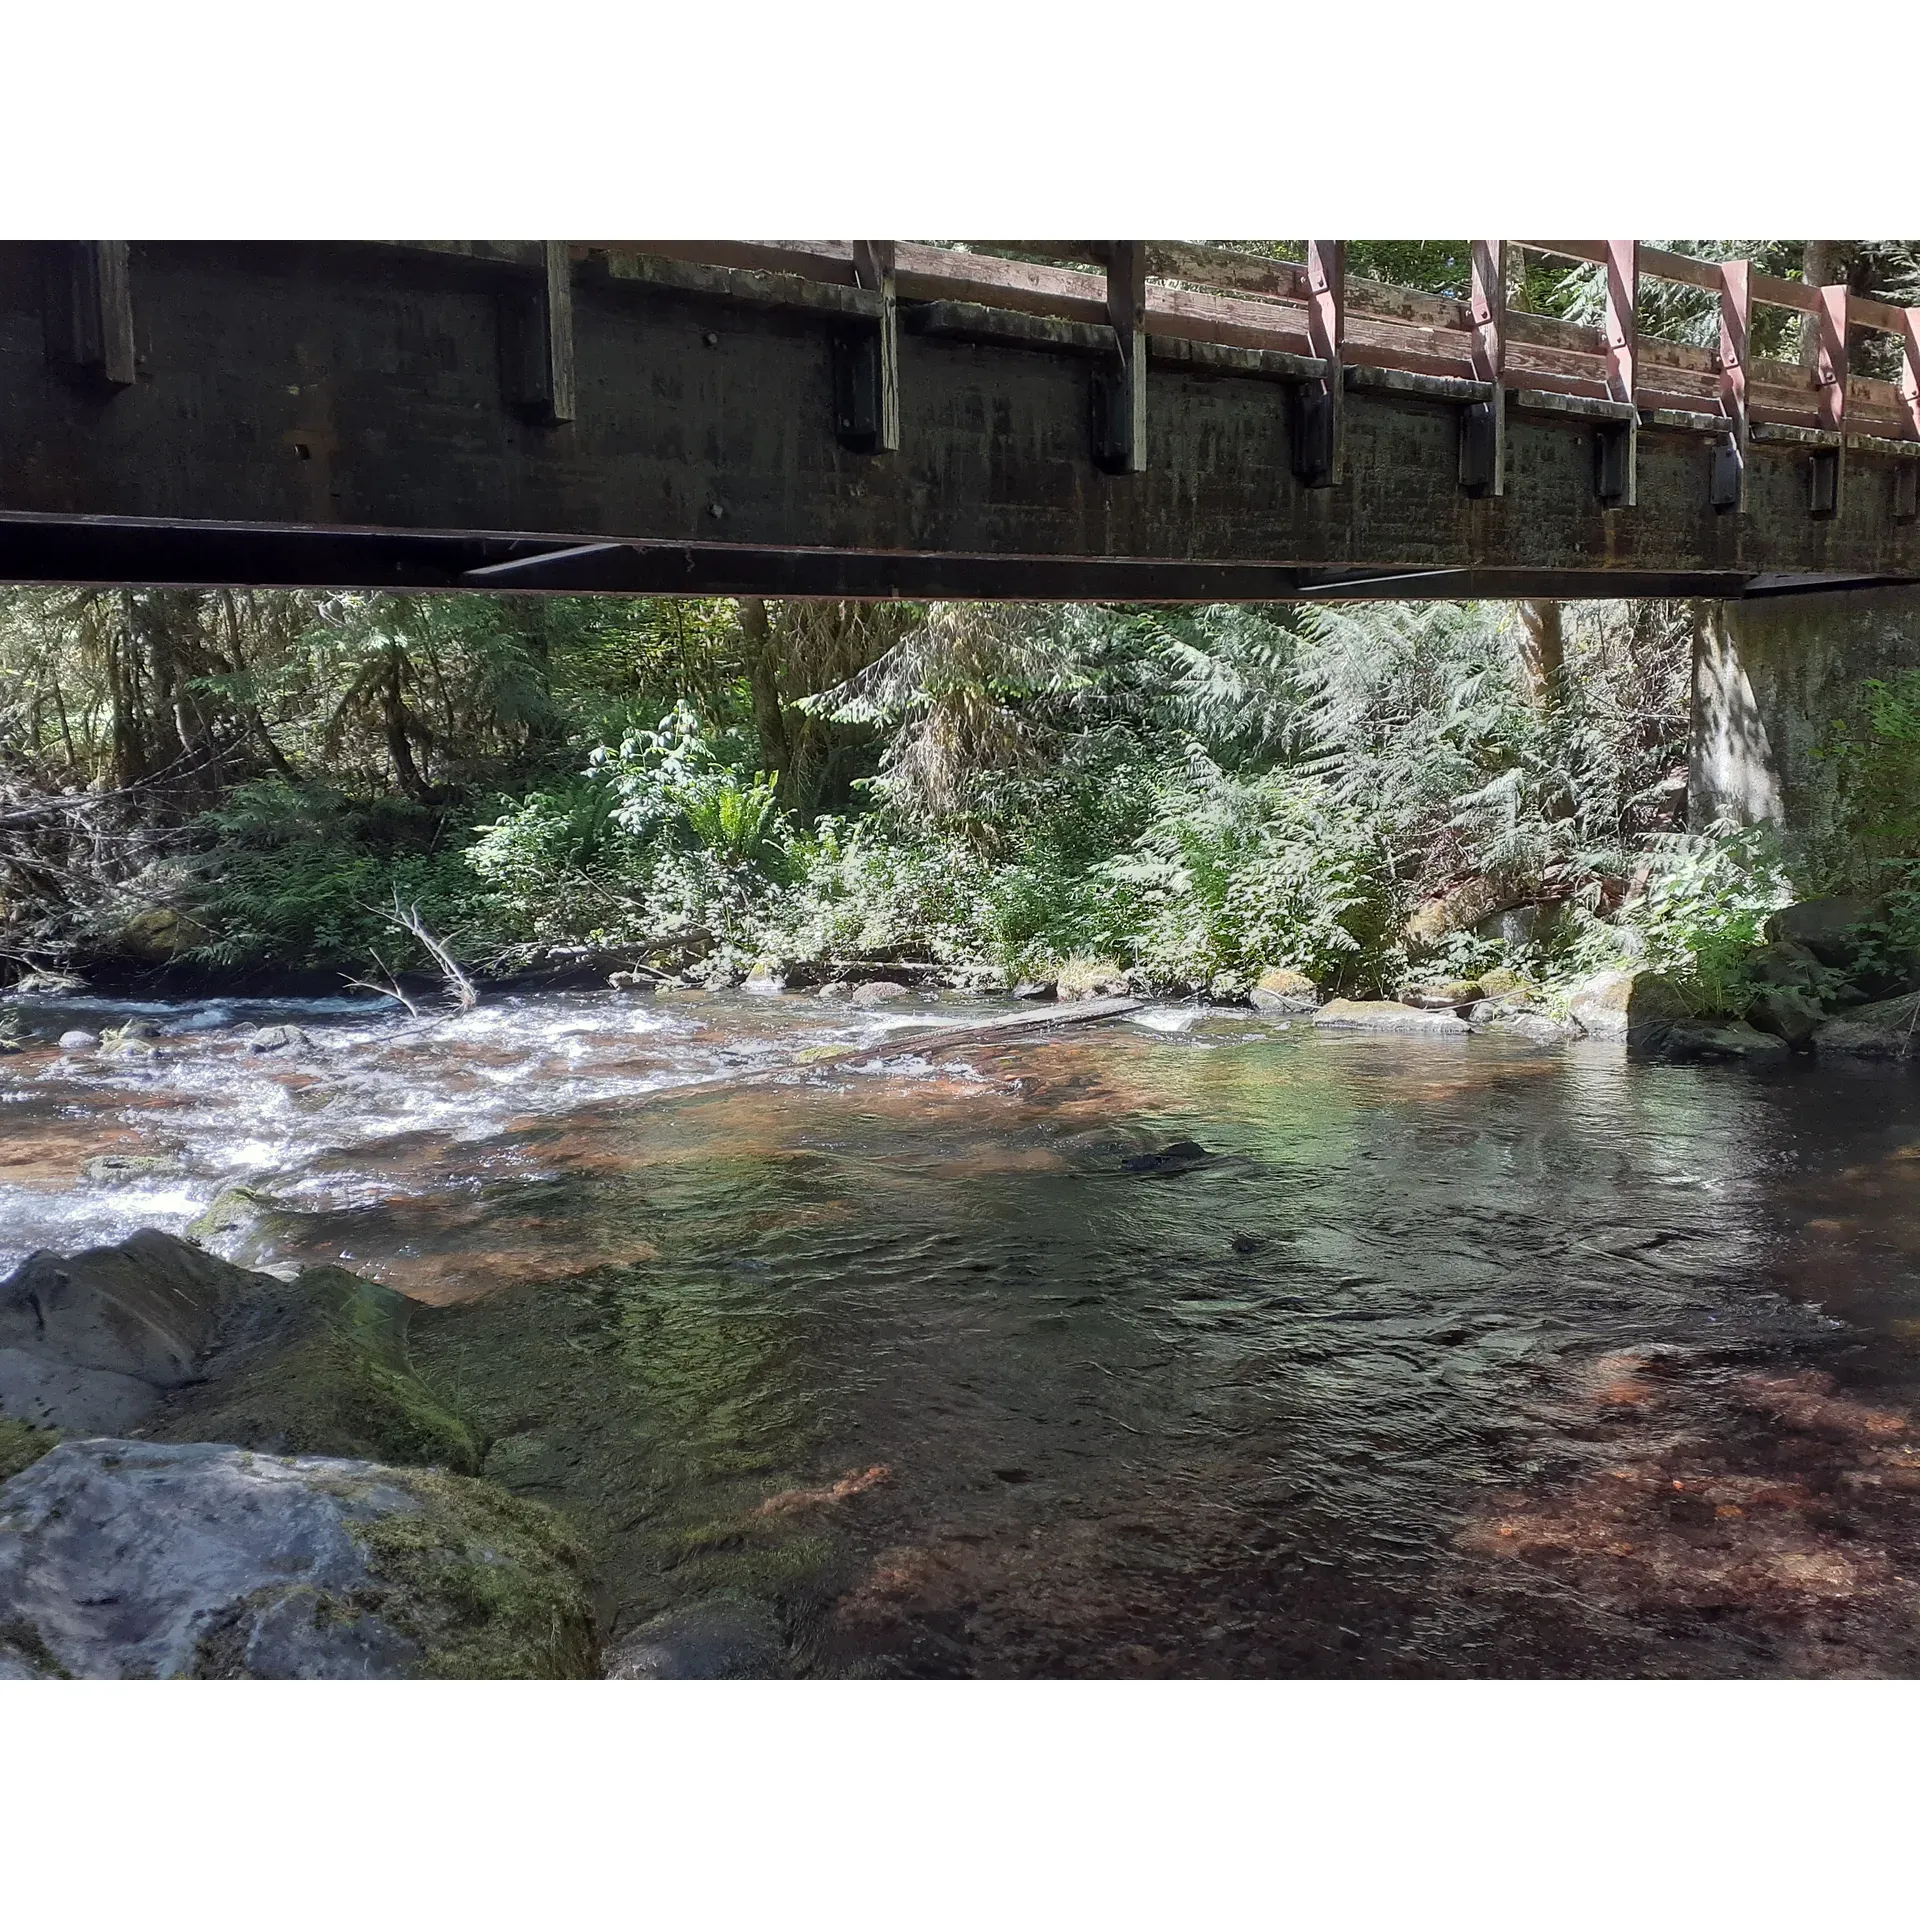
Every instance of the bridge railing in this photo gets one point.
(1327, 333)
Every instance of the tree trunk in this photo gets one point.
(763, 683)
(400, 726)
(127, 723)
(1824, 263)
(1543, 652)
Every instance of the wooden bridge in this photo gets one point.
(1115, 420)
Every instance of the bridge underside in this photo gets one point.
(373, 416)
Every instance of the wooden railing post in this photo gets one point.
(1320, 451)
(1910, 367)
(1483, 423)
(1906, 479)
(1830, 376)
(1618, 449)
(1729, 485)
(868, 373)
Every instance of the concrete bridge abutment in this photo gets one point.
(1771, 677)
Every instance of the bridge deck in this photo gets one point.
(1125, 420)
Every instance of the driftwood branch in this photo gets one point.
(460, 991)
(391, 991)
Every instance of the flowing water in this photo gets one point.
(1443, 1358)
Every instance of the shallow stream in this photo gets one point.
(1445, 1358)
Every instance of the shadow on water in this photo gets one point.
(1439, 1358)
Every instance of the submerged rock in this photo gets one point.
(717, 1639)
(835, 990)
(115, 1167)
(876, 993)
(1282, 990)
(1389, 1016)
(1883, 1029)
(281, 1039)
(232, 1222)
(122, 1559)
(1182, 1157)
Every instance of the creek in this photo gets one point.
(1442, 1358)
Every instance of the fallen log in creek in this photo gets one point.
(935, 1039)
(939, 1039)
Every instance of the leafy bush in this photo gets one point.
(1701, 917)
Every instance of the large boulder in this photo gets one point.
(162, 1338)
(1709, 1040)
(1389, 1016)
(1831, 930)
(1457, 909)
(1284, 990)
(320, 1365)
(1883, 1029)
(1442, 996)
(91, 1342)
(123, 1559)
(162, 934)
(876, 993)
(1081, 978)
(1518, 1015)
(1627, 1004)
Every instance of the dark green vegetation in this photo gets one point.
(243, 784)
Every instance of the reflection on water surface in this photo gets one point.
(1441, 1359)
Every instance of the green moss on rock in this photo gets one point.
(322, 1368)
(492, 1586)
(21, 1445)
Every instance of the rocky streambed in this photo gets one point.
(771, 1334)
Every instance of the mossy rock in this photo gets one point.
(320, 1366)
(217, 1562)
(491, 1586)
(21, 1445)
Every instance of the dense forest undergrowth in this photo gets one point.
(241, 786)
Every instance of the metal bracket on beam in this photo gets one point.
(88, 312)
(1120, 391)
(866, 360)
(1319, 440)
(536, 329)
(1617, 448)
(1727, 489)
(1483, 423)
